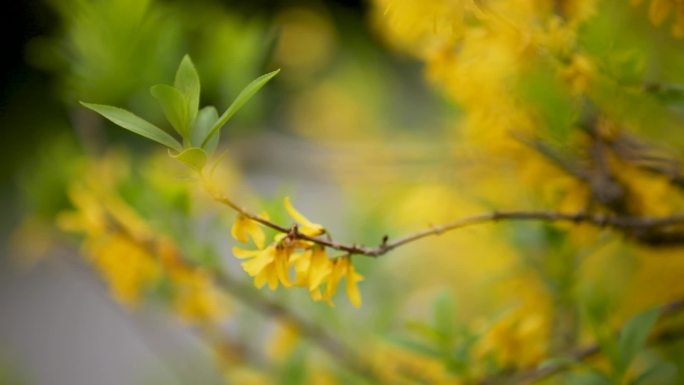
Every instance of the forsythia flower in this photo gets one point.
(305, 225)
(518, 339)
(312, 266)
(344, 269)
(128, 268)
(196, 299)
(130, 256)
(269, 265)
(245, 228)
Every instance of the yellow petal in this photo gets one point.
(238, 230)
(272, 276)
(301, 262)
(244, 228)
(305, 225)
(260, 279)
(338, 270)
(320, 268)
(316, 294)
(244, 254)
(281, 268)
(352, 286)
(255, 265)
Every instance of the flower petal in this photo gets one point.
(339, 268)
(320, 268)
(244, 228)
(305, 225)
(352, 286)
(244, 254)
(255, 265)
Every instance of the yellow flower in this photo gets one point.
(196, 298)
(89, 216)
(312, 267)
(245, 228)
(269, 265)
(283, 342)
(306, 227)
(127, 268)
(344, 269)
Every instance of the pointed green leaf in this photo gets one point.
(188, 83)
(175, 107)
(193, 157)
(205, 120)
(134, 123)
(246, 94)
(634, 335)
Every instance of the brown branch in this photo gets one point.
(632, 225)
(631, 150)
(583, 353)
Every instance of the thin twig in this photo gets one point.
(619, 222)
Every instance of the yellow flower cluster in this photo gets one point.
(312, 266)
(130, 257)
(517, 340)
(397, 365)
(478, 52)
(125, 265)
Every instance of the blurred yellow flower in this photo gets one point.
(245, 228)
(196, 299)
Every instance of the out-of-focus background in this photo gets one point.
(387, 117)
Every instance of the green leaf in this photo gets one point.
(132, 122)
(193, 157)
(188, 83)
(444, 317)
(561, 362)
(634, 334)
(423, 330)
(415, 346)
(246, 94)
(175, 107)
(205, 120)
(550, 99)
(661, 373)
(294, 370)
(591, 377)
